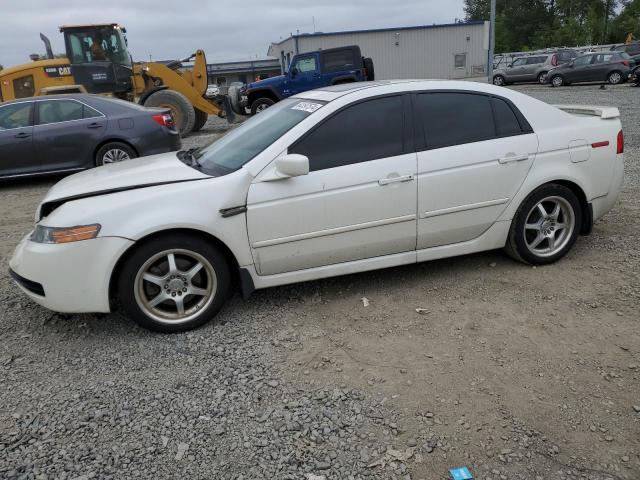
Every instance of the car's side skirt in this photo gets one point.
(495, 237)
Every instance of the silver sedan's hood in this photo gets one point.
(117, 177)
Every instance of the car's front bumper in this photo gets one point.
(70, 278)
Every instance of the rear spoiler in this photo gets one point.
(602, 112)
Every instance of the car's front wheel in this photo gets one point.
(173, 283)
(545, 226)
(261, 104)
(499, 81)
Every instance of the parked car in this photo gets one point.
(612, 67)
(212, 91)
(631, 49)
(533, 68)
(634, 77)
(341, 180)
(64, 133)
(308, 71)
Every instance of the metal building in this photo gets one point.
(456, 50)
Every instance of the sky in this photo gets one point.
(226, 31)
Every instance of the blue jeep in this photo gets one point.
(308, 71)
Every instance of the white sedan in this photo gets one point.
(334, 181)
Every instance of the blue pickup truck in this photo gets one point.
(306, 72)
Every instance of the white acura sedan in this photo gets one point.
(334, 181)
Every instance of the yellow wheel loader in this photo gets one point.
(98, 61)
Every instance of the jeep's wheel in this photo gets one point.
(173, 283)
(261, 104)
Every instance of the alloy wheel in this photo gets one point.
(261, 107)
(115, 155)
(557, 81)
(549, 226)
(174, 286)
(615, 78)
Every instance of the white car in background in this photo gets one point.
(345, 179)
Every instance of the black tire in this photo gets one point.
(369, 68)
(557, 81)
(260, 104)
(518, 246)
(113, 152)
(183, 113)
(201, 119)
(542, 78)
(131, 288)
(499, 80)
(615, 78)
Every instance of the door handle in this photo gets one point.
(22, 135)
(94, 125)
(512, 157)
(387, 181)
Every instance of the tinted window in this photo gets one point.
(535, 60)
(88, 112)
(54, 111)
(15, 115)
(519, 61)
(359, 133)
(455, 118)
(340, 60)
(506, 121)
(603, 58)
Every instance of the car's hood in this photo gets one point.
(136, 173)
(266, 82)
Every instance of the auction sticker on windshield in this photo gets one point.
(307, 106)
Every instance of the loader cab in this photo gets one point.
(99, 58)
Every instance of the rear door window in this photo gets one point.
(15, 115)
(56, 111)
(584, 60)
(506, 121)
(366, 131)
(450, 119)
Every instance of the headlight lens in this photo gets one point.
(44, 234)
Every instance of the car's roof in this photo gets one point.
(328, 94)
(83, 97)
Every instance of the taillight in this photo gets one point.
(554, 60)
(164, 119)
(620, 148)
(626, 63)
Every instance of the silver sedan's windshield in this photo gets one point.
(243, 143)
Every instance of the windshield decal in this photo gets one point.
(307, 106)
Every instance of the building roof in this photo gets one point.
(373, 30)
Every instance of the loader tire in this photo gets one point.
(183, 113)
(234, 98)
(201, 119)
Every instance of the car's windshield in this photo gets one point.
(243, 143)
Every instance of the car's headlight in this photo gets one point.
(44, 234)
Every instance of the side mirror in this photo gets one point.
(570, 64)
(293, 71)
(292, 165)
(510, 65)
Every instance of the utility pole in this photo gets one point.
(492, 41)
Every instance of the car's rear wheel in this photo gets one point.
(261, 104)
(542, 78)
(499, 81)
(614, 78)
(114, 152)
(557, 81)
(546, 225)
(173, 283)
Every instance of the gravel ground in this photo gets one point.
(516, 372)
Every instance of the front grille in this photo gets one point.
(33, 287)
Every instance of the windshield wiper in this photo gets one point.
(190, 156)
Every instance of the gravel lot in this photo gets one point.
(516, 372)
